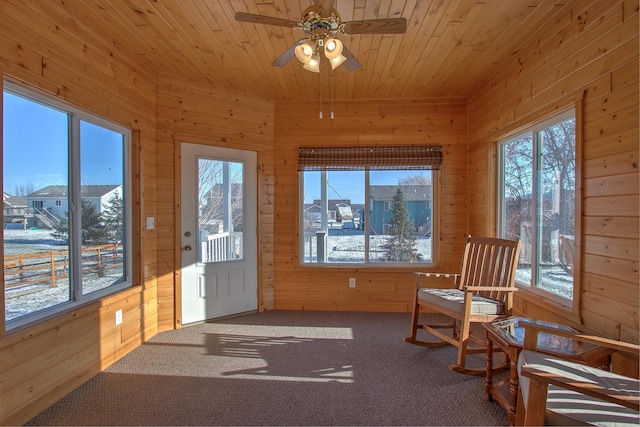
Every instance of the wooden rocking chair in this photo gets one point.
(483, 293)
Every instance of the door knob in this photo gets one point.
(188, 248)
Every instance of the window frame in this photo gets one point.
(77, 299)
(531, 291)
(436, 174)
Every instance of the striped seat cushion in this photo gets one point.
(452, 300)
(566, 407)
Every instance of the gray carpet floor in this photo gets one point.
(282, 368)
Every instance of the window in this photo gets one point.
(220, 210)
(537, 203)
(71, 243)
(367, 205)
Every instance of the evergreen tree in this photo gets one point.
(93, 229)
(113, 219)
(61, 231)
(401, 244)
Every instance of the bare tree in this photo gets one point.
(556, 185)
(211, 195)
(415, 179)
(23, 189)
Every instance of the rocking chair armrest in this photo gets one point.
(488, 288)
(437, 275)
(585, 387)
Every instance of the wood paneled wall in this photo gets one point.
(407, 122)
(200, 113)
(591, 54)
(41, 46)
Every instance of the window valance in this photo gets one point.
(369, 158)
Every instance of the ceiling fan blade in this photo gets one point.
(352, 63)
(376, 26)
(268, 20)
(287, 56)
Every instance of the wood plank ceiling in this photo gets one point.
(449, 49)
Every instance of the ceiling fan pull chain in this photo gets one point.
(320, 104)
(332, 82)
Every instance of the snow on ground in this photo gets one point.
(347, 246)
(28, 299)
(27, 241)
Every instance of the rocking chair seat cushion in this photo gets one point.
(452, 300)
(567, 407)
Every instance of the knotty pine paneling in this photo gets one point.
(593, 54)
(362, 123)
(199, 113)
(480, 217)
(42, 46)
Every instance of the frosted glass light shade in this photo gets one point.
(332, 48)
(313, 64)
(337, 61)
(304, 51)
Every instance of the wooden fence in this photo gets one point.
(47, 267)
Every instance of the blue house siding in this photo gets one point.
(419, 209)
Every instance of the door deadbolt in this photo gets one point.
(188, 248)
(187, 234)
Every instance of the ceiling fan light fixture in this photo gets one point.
(320, 33)
(337, 61)
(314, 64)
(332, 48)
(304, 51)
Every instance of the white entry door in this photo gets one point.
(218, 232)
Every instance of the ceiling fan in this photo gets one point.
(321, 23)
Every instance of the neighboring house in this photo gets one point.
(344, 213)
(50, 204)
(333, 205)
(339, 210)
(417, 198)
(212, 208)
(14, 210)
(312, 215)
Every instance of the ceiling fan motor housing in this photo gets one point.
(316, 26)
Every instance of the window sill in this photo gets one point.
(541, 301)
(61, 313)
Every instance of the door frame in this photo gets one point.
(177, 243)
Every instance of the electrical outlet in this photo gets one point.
(118, 317)
(151, 223)
(352, 282)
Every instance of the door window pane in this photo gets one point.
(220, 210)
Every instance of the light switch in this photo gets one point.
(151, 223)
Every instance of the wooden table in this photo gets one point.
(508, 336)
